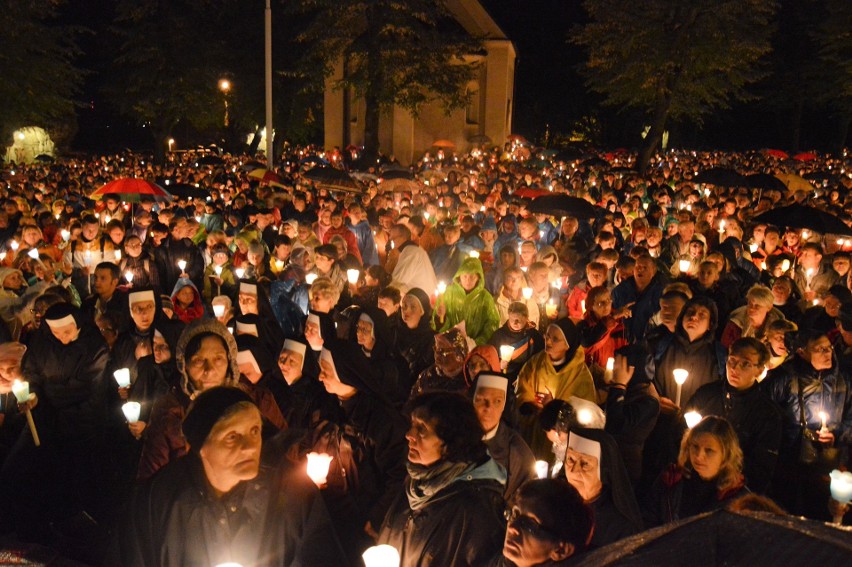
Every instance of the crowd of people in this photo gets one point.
(494, 384)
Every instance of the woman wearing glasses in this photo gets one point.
(754, 417)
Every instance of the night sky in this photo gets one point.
(548, 85)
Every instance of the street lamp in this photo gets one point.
(225, 87)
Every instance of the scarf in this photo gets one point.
(426, 481)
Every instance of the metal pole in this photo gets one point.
(270, 162)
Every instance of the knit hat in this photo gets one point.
(206, 411)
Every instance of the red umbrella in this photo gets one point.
(518, 139)
(131, 189)
(530, 193)
(443, 144)
(780, 154)
(266, 176)
(805, 156)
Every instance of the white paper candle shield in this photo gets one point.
(684, 266)
(381, 556)
(247, 329)
(21, 390)
(128, 275)
(318, 464)
(122, 377)
(541, 469)
(218, 310)
(841, 486)
(506, 352)
(692, 418)
(352, 275)
(310, 278)
(131, 411)
(182, 265)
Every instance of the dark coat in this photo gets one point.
(413, 350)
(167, 256)
(755, 418)
(462, 525)
(829, 391)
(272, 520)
(508, 448)
(677, 495)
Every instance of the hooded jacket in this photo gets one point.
(192, 312)
(476, 308)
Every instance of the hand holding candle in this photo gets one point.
(21, 389)
(823, 417)
(550, 308)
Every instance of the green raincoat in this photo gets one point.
(477, 308)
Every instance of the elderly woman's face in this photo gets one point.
(232, 449)
(757, 311)
(477, 364)
(705, 455)
(555, 344)
(290, 364)
(425, 448)
(581, 471)
(208, 367)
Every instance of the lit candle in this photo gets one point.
(117, 255)
(722, 226)
(182, 265)
(473, 254)
(841, 486)
(527, 293)
(785, 265)
(352, 275)
(442, 287)
(279, 264)
(823, 417)
(683, 265)
(541, 469)
(21, 390)
(310, 278)
(692, 418)
(218, 310)
(318, 464)
(65, 234)
(550, 308)
(805, 235)
(33, 253)
(231, 330)
(14, 245)
(240, 272)
(753, 247)
(585, 416)
(217, 270)
(128, 275)
(583, 306)
(131, 411)
(122, 377)
(506, 352)
(680, 376)
(381, 556)
(610, 366)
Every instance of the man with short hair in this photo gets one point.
(642, 293)
(815, 397)
(813, 279)
(106, 297)
(739, 399)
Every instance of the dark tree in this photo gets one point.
(394, 53)
(674, 58)
(39, 78)
(833, 37)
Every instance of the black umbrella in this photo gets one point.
(802, 216)
(45, 158)
(397, 174)
(209, 160)
(596, 162)
(333, 179)
(570, 154)
(563, 205)
(187, 191)
(765, 181)
(721, 177)
(816, 176)
(730, 538)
